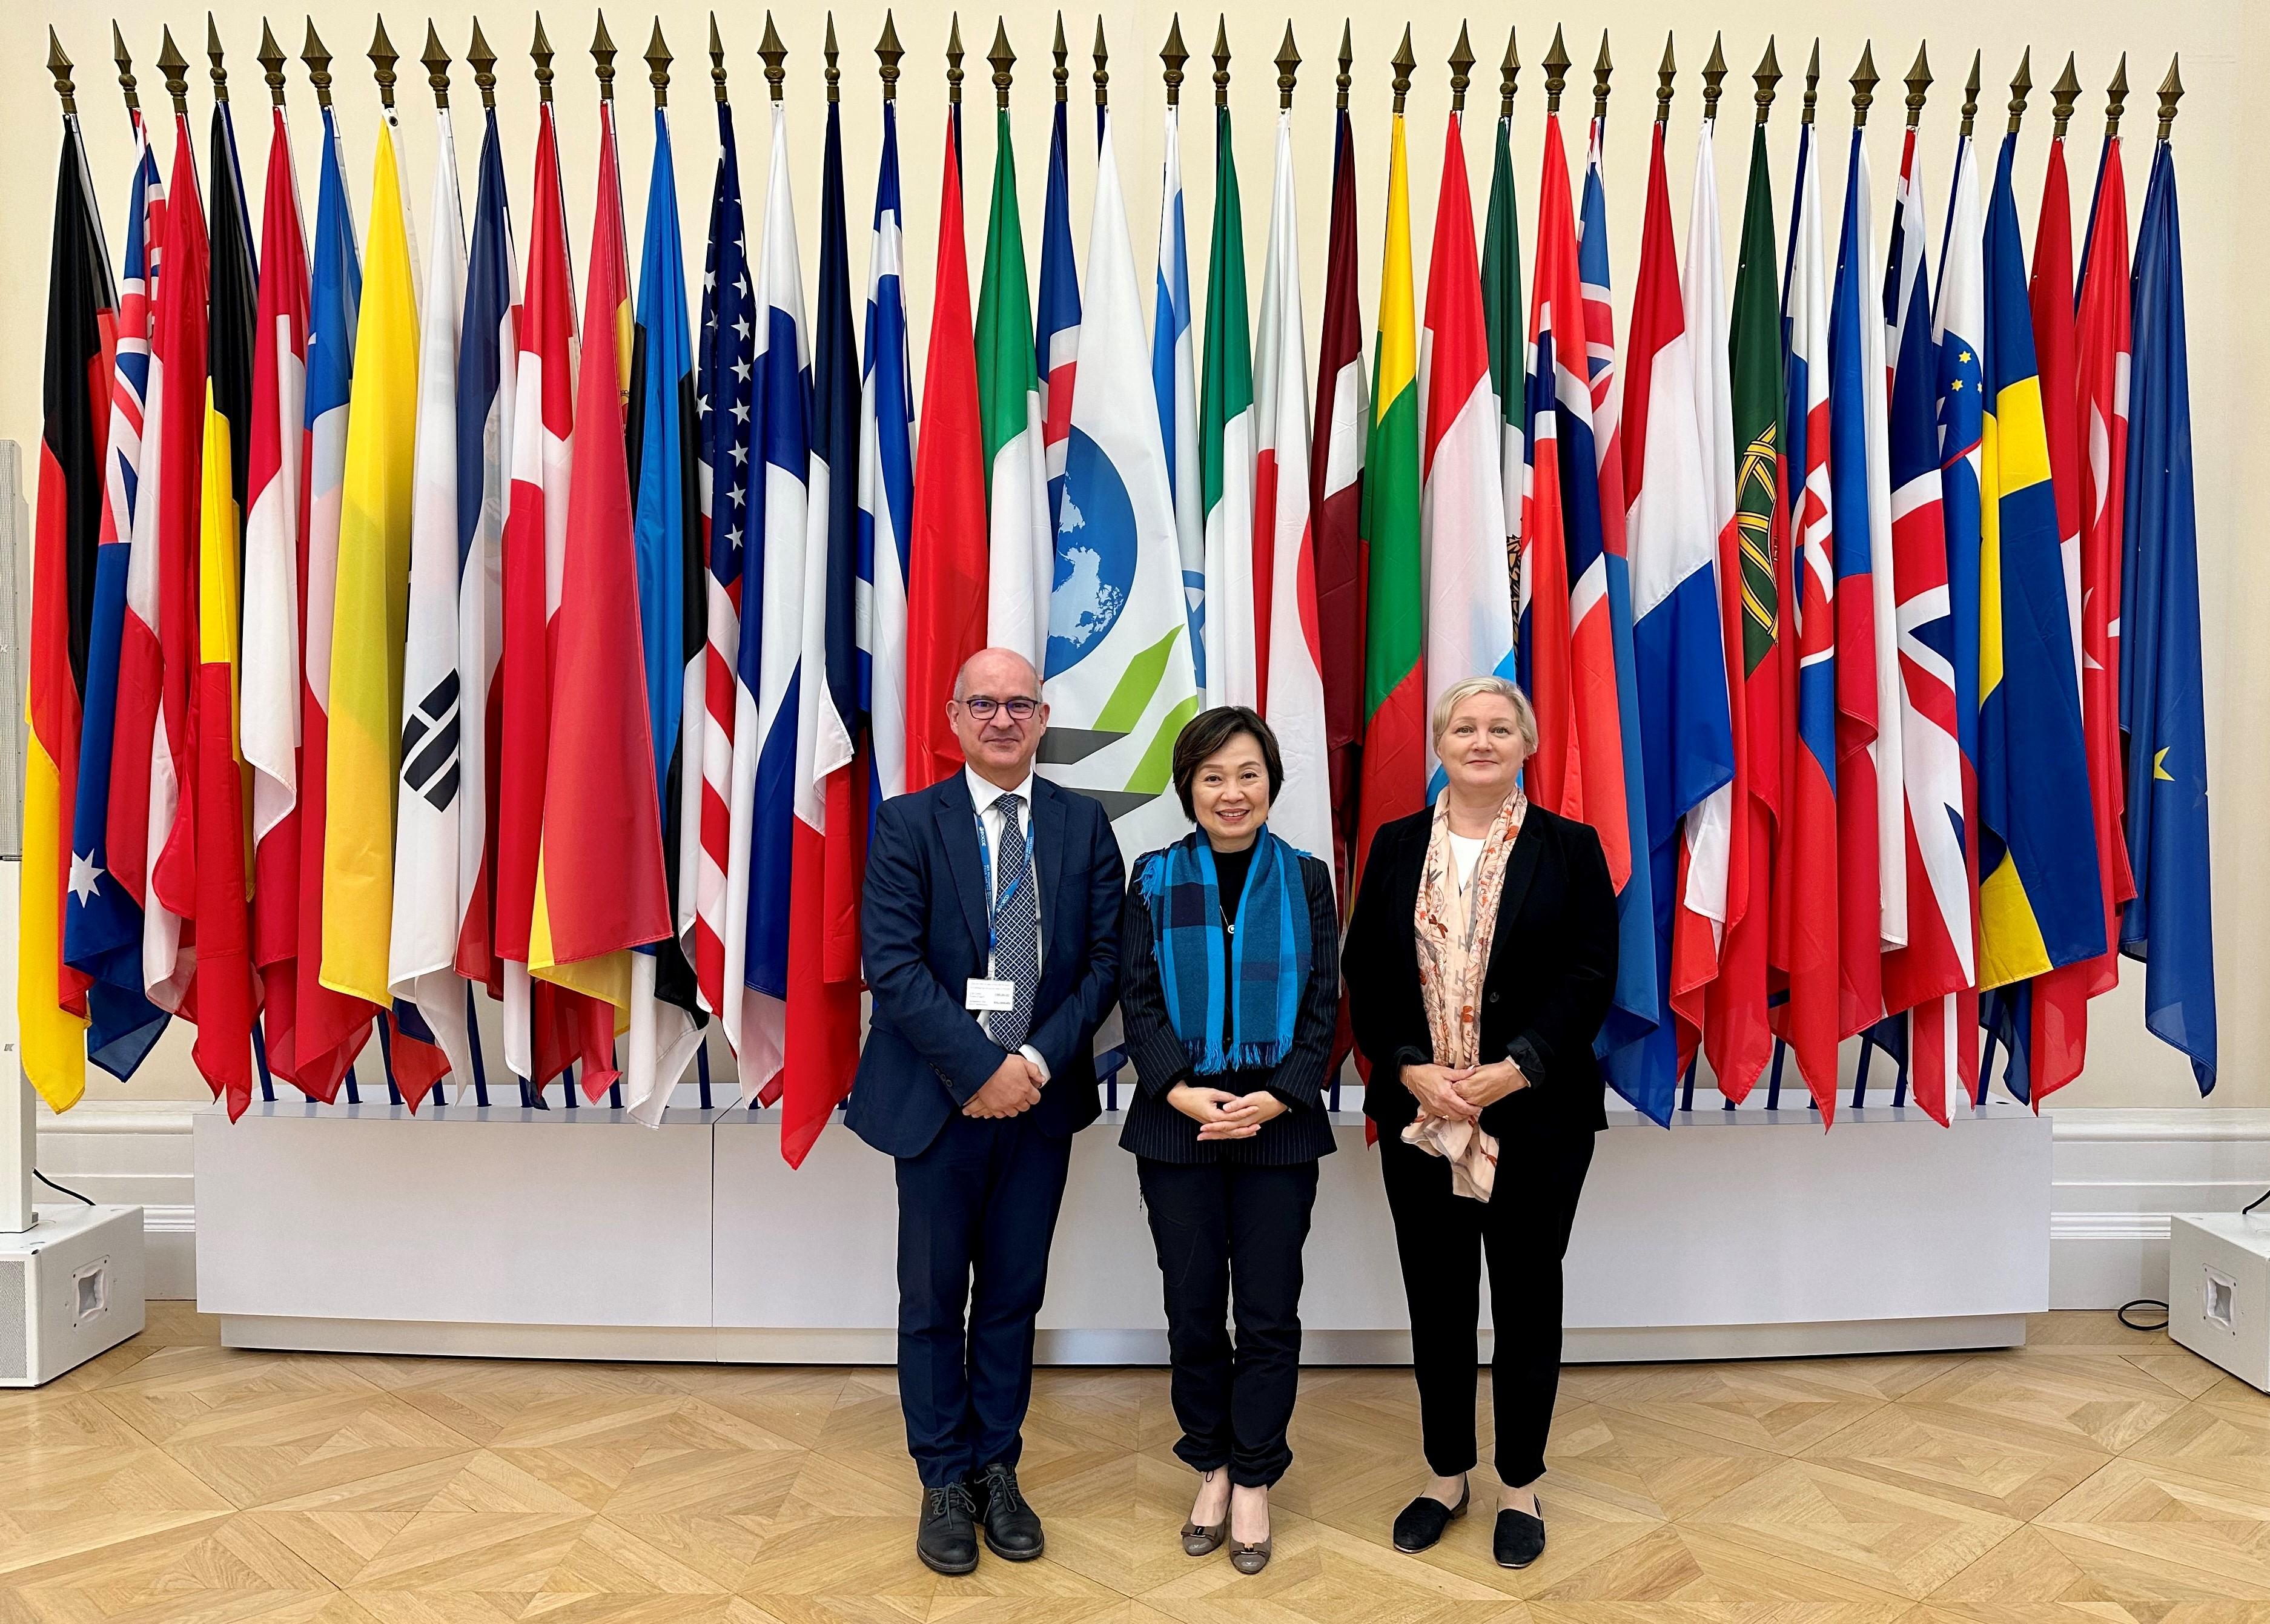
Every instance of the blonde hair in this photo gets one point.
(1498, 687)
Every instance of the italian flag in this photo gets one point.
(1023, 566)
(1235, 571)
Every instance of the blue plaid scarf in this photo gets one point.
(1267, 953)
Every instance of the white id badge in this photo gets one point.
(985, 995)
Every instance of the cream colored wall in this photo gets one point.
(2221, 135)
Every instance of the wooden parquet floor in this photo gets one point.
(2100, 1476)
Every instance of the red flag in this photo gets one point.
(945, 546)
(1336, 510)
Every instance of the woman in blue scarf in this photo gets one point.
(1228, 994)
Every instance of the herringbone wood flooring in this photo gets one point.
(2100, 1475)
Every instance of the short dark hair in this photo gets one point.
(1211, 731)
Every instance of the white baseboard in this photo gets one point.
(2117, 1173)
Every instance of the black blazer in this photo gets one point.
(922, 931)
(1552, 972)
(1156, 1129)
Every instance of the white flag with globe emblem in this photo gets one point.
(1118, 675)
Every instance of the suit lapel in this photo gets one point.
(1520, 870)
(1048, 846)
(957, 826)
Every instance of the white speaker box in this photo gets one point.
(70, 1287)
(2219, 1290)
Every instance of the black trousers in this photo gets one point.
(1442, 1238)
(976, 1212)
(1230, 1237)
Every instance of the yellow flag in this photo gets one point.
(370, 616)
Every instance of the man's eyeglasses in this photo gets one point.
(983, 706)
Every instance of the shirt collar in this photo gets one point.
(984, 791)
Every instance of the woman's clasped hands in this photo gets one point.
(1221, 1114)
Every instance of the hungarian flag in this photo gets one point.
(1806, 894)
(1056, 329)
(1302, 811)
(1336, 512)
(275, 548)
(1233, 610)
(1119, 680)
(1507, 318)
(102, 921)
(1014, 417)
(1174, 381)
(1463, 527)
(80, 351)
(1678, 656)
(886, 483)
(1395, 744)
(1735, 1035)
(822, 1036)
(946, 520)
(219, 825)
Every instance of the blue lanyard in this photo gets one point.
(993, 906)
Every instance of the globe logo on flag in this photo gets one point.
(1095, 555)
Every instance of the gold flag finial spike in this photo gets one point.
(1289, 68)
(1863, 86)
(1004, 61)
(1062, 53)
(1601, 68)
(382, 57)
(1101, 55)
(602, 59)
(775, 58)
(833, 74)
(1919, 87)
(1765, 78)
(1221, 61)
(954, 54)
(1714, 80)
(2022, 84)
(1174, 52)
(1403, 63)
(484, 62)
(657, 64)
(1556, 70)
(1812, 82)
(1347, 62)
(1664, 73)
(319, 65)
(119, 54)
(437, 65)
(2063, 94)
(1508, 72)
(271, 63)
(2171, 91)
(717, 60)
(887, 52)
(176, 67)
(60, 65)
(1970, 95)
(219, 70)
(2116, 97)
(1462, 62)
(539, 51)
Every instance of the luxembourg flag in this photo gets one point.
(886, 482)
(766, 700)
(1174, 381)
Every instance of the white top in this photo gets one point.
(1466, 851)
(985, 795)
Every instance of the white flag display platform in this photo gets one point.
(508, 1233)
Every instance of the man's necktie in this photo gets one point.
(1016, 928)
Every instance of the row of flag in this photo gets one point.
(401, 627)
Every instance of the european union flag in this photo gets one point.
(2171, 924)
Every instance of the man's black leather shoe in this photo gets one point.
(947, 1539)
(1013, 1529)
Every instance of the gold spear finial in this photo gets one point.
(1508, 71)
(1101, 55)
(213, 55)
(539, 50)
(1556, 70)
(1863, 86)
(602, 59)
(1289, 68)
(887, 52)
(1970, 96)
(1767, 75)
(717, 59)
(1174, 52)
(1812, 82)
(319, 65)
(954, 54)
(2171, 91)
(60, 65)
(2022, 84)
(1601, 68)
(1347, 62)
(1403, 63)
(1462, 62)
(657, 64)
(1003, 59)
(437, 65)
(484, 63)
(118, 54)
(1062, 53)
(1664, 73)
(833, 74)
(776, 55)
(176, 67)
(382, 58)
(1919, 84)
(2063, 94)
(271, 60)
(1221, 61)
(2116, 97)
(1714, 80)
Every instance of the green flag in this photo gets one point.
(1507, 317)
(1023, 547)
(1234, 619)
(1755, 358)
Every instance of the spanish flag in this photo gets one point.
(370, 614)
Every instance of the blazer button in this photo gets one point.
(1493, 997)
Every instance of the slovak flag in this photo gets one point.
(886, 483)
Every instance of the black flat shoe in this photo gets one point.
(947, 1541)
(1518, 1539)
(1013, 1529)
(1421, 1523)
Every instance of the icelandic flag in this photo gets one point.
(886, 482)
(1174, 385)
(102, 922)
(767, 704)
(1056, 325)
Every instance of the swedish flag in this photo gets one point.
(2039, 899)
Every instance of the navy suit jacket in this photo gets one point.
(922, 927)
